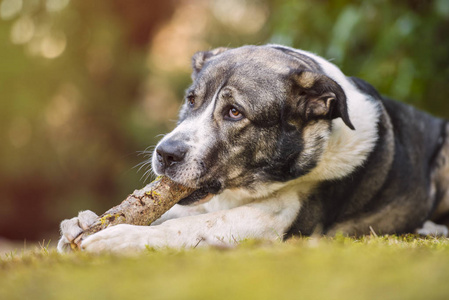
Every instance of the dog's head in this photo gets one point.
(253, 115)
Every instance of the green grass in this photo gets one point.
(341, 268)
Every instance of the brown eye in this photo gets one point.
(235, 114)
(191, 100)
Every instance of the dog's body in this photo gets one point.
(288, 145)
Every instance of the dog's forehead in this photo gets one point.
(251, 68)
(255, 61)
(256, 76)
(254, 65)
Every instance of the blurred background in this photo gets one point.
(86, 85)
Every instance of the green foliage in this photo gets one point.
(400, 47)
(343, 268)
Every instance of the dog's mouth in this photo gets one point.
(201, 195)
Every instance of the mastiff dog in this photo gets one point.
(279, 142)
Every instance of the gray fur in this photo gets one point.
(289, 104)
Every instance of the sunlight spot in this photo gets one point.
(246, 16)
(56, 5)
(22, 31)
(53, 45)
(10, 8)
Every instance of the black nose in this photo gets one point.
(170, 152)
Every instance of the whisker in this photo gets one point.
(161, 135)
(145, 164)
(142, 165)
(146, 154)
(147, 150)
(149, 173)
(145, 176)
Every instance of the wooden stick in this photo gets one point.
(140, 208)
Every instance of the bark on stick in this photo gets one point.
(140, 208)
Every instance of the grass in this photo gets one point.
(389, 267)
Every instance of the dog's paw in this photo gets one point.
(430, 228)
(71, 228)
(121, 238)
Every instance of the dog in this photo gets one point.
(278, 142)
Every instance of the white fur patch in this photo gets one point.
(267, 219)
(200, 129)
(432, 229)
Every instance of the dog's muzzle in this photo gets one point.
(170, 155)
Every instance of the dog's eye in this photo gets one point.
(191, 100)
(234, 114)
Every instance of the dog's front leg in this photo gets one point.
(179, 211)
(267, 219)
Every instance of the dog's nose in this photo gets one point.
(170, 152)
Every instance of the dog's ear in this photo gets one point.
(201, 57)
(321, 97)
